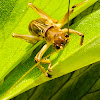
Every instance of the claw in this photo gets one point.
(50, 76)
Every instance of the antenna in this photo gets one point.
(68, 16)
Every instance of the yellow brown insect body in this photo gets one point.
(47, 29)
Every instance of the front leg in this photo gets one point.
(65, 30)
(47, 61)
(38, 58)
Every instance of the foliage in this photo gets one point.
(15, 54)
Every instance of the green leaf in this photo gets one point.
(13, 51)
(83, 84)
(15, 17)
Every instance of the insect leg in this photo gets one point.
(28, 38)
(41, 13)
(74, 32)
(47, 61)
(39, 56)
(43, 70)
(65, 18)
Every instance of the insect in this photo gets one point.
(49, 30)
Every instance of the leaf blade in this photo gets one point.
(30, 81)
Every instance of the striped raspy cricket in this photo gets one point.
(49, 30)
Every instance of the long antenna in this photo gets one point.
(68, 16)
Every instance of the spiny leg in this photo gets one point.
(65, 18)
(39, 56)
(74, 32)
(42, 13)
(28, 38)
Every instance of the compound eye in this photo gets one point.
(57, 47)
(62, 44)
(66, 35)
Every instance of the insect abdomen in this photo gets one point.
(38, 27)
(33, 29)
